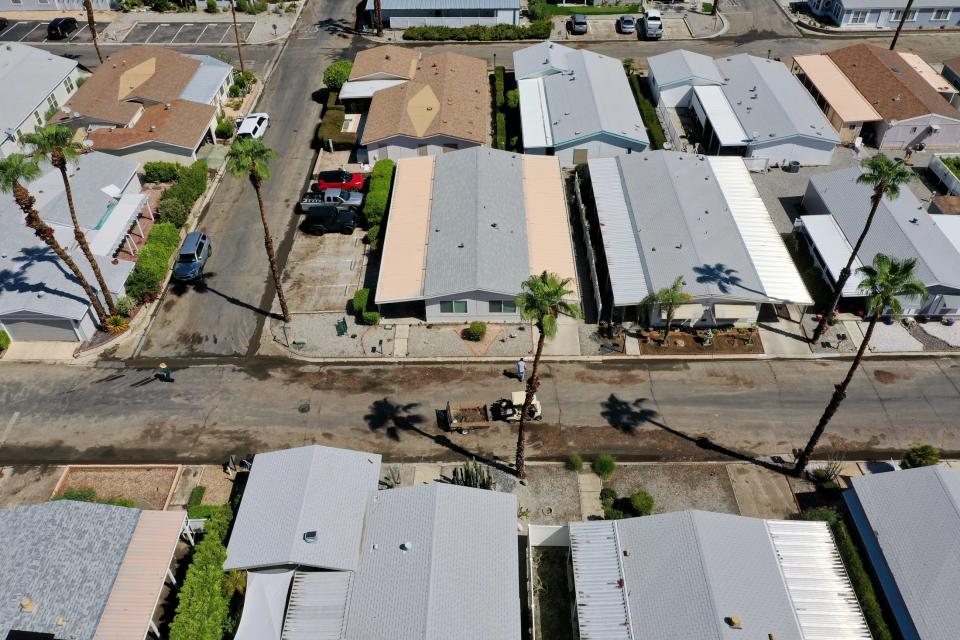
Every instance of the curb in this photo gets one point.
(888, 33)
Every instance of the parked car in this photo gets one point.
(577, 24)
(652, 25)
(60, 28)
(326, 218)
(343, 199)
(626, 24)
(194, 253)
(339, 179)
(254, 126)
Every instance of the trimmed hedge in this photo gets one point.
(476, 331)
(89, 494)
(498, 91)
(373, 237)
(862, 584)
(330, 130)
(173, 211)
(161, 171)
(539, 30)
(190, 185)
(501, 141)
(336, 74)
(196, 495)
(649, 114)
(153, 262)
(359, 307)
(378, 192)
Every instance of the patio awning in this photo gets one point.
(685, 312)
(264, 602)
(110, 235)
(726, 125)
(826, 236)
(362, 89)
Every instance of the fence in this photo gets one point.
(950, 181)
(591, 256)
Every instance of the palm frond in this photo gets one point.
(543, 297)
(888, 280)
(51, 139)
(17, 168)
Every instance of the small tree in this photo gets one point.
(642, 503)
(922, 455)
(337, 74)
(667, 300)
(604, 466)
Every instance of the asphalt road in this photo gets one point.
(653, 411)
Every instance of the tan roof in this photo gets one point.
(405, 245)
(136, 591)
(836, 89)
(143, 73)
(548, 230)
(387, 61)
(948, 205)
(449, 95)
(928, 73)
(183, 125)
(889, 84)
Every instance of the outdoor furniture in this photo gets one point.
(341, 327)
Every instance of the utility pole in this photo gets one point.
(236, 35)
(903, 18)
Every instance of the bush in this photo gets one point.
(373, 237)
(642, 503)
(173, 211)
(615, 508)
(498, 97)
(117, 324)
(125, 305)
(212, 7)
(923, 455)
(202, 511)
(607, 496)
(196, 496)
(538, 30)
(501, 141)
(513, 98)
(332, 97)
(153, 262)
(190, 185)
(331, 131)
(538, 10)
(224, 128)
(359, 303)
(245, 79)
(649, 114)
(378, 192)
(370, 318)
(476, 331)
(574, 462)
(337, 74)
(162, 171)
(89, 494)
(707, 7)
(4, 340)
(604, 466)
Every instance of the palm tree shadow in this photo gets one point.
(394, 419)
(627, 417)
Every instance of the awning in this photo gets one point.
(836, 88)
(109, 236)
(359, 89)
(685, 312)
(534, 114)
(726, 125)
(735, 311)
(264, 602)
(834, 250)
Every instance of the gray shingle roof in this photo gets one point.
(458, 576)
(478, 231)
(914, 516)
(35, 74)
(294, 491)
(208, 79)
(902, 228)
(64, 556)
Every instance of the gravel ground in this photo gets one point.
(444, 340)
(591, 344)
(21, 486)
(218, 484)
(947, 338)
(318, 333)
(552, 494)
(676, 487)
(847, 346)
(148, 487)
(892, 338)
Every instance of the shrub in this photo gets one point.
(117, 324)
(476, 331)
(538, 10)
(574, 462)
(513, 98)
(173, 211)
(649, 115)
(373, 237)
(4, 340)
(337, 74)
(604, 466)
(498, 82)
(332, 97)
(607, 496)
(89, 494)
(359, 303)
(707, 7)
(159, 5)
(922, 455)
(501, 141)
(190, 185)
(538, 30)
(212, 7)
(125, 305)
(202, 511)
(331, 131)
(375, 204)
(196, 496)
(245, 79)
(370, 318)
(642, 503)
(234, 91)
(153, 262)
(162, 171)
(224, 128)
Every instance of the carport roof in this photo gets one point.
(28, 76)
(439, 5)
(836, 88)
(183, 124)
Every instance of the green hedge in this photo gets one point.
(196, 496)
(173, 211)
(337, 74)
(359, 304)
(4, 340)
(190, 185)
(501, 141)
(859, 577)
(162, 171)
(373, 237)
(539, 30)
(952, 163)
(649, 114)
(89, 494)
(330, 130)
(378, 192)
(498, 90)
(203, 608)
(153, 262)
(540, 9)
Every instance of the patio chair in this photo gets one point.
(341, 327)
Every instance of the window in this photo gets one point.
(858, 17)
(52, 101)
(36, 114)
(580, 156)
(941, 14)
(453, 306)
(896, 14)
(68, 84)
(852, 126)
(423, 150)
(503, 306)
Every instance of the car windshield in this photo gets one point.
(187, 257)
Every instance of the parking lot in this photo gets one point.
(323, 273)
(604, 27)
(35, 31)
(185, 33)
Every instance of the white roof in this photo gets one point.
(35, 74)
(833, 247)
(949, 225)
(537, 133)
(603, 612)
(317, 609)
(263, 604)
(109, 237)
(355, 89)
(725, 124)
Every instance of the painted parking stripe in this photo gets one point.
(179, 30)
(79, 31)
(201, 34)
(154, 31)
(228, 31)
(31, 30)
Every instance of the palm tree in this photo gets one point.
(541, 301)
(249, 157)
(885, 282)
(234, 582)
(14, 171)
(93, 28)
(236, 35)
(378, 12)
(886, 177)
(55, 143)
(667, 300)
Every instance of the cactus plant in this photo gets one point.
(472, 474)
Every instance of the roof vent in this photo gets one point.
(27, 605)
(626, 552)
(493, 224)
(61, 622)
(897, 98)
(460, 246)
(153, 128)
(310, 537)
(914, 220)
(407, 546)
(733, 622)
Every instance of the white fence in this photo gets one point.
(397, 22)
(942, 171)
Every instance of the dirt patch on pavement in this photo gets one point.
(23, 485)
(885, 377)
(551, 496)
(148, 487)
(682, 343)
(676, 487)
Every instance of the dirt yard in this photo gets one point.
(21, 486)
(683, 343)
(551, 495)
(148, 487)
(676, 487)
(553, 598)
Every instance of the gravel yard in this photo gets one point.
(948, 335)
(892, 338)
(502, 340)
(148, 487)
(315, 335)
(551, 495)
(676, 487)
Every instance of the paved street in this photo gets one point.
(638, 411)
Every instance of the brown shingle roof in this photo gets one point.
(449, 95)
(953, 64)
(889, 84)
(184, 124)
(138, 74)
(388, 60)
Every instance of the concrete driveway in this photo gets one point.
(323, 272)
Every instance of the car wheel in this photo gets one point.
(464, 432)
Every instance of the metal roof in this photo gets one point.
(940, 84)
(354, 89)
(65, 557)
(295, 491)
(439, 5)
(912, 518)
(206, 82)
(724, 121)
(683, 574)
(834, 248)
(902, 228)
(534, 114)
(438, 561)
(317, 608)
(690, 216)
(836, 88)
(36, 74)
(899, 4)
(264, 604)
(681, 67)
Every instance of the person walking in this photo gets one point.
(165, 373)
(521, 369)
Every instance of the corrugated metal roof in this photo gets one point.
(139, 584)
(317, 609)
(602, 611)
(681, 67)
(207, 81)
(898, 4)
(294, 491)
(836, 88)
(437, 5)
(724, 121)
(950, 226)
(534, 114)
(776, 269)
(928, 73)
(914, 516)
(264, 605)
(541, 59)
(833, 247)
(823, 598)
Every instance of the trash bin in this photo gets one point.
(793, 166)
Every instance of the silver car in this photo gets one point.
(626, 24)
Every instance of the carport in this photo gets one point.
(722, 133)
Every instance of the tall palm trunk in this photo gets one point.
(268, 245)
(839, 393)
(236, 35)
(93, 28)
(532, 385)
(378, 12)
(845, 272)
(715, 7)
(903, 18)
(60, 162)
(666, 329)
(43, 231)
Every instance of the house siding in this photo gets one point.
(61, 94)
(599, 146)
(55, 5)
(477, 308)
(806, 151)
(402, 147)
(910, 132)
(881, 17)
(403, 18)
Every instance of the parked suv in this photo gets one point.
(193, 256)
(254, 126)
(578, 24)
(338, 179)
(60, 28)
(325, 218)
(4, 23)
(652, 25)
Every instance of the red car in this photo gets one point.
(338, 179)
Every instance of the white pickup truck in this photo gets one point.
(652, 25)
